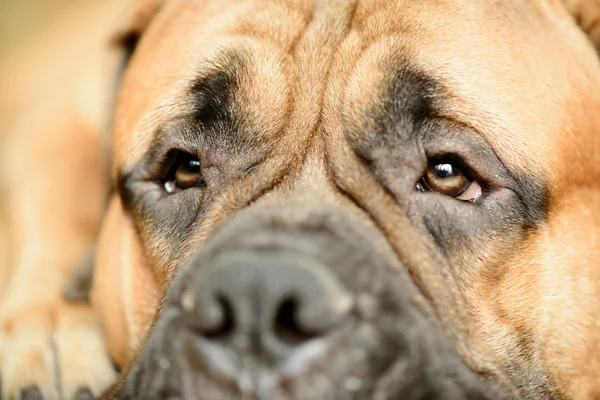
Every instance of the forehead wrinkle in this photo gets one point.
(488, 108)
(394, 58)
(491, 112)
(489, 81)
(229, 56)
(510, 140)
(168, 107)
(503, 135)
(152, 95)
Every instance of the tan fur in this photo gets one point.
(55, 101)
(546, 293)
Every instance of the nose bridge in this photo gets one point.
(314, 207)
(321, 185)
(314, 178)
(311, 63)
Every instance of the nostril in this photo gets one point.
(227, 324)
(287, 325)
(214, 319)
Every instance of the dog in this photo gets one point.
(315, 199)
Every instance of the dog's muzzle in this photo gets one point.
(292, 305)
(274, 307)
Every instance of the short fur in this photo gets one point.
(315, 119)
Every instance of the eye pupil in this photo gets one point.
(192, 166)
(185, 173)
(443, 171)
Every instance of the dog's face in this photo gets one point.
(371, 199)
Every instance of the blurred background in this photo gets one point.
(23, 20)
(54, 51)
(57, 84)
(24, 51)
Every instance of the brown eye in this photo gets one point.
(185, 173)
(446, 178)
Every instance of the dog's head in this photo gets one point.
(355, 199)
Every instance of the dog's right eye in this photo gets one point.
(445, 177)
(185, 173)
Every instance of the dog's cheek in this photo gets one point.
(464, 231)
(569, 284)
(165, 224)
(587, 15)
(124, 294)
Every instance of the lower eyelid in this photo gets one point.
(473, 193)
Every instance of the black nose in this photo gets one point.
(263, 305)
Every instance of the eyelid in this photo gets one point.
(469, 150)
(167, 144)
(472, 194)
(161, 167)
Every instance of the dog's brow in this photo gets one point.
(212, 96)
(415, 97)
(213, 91)
(209, 117)
(210, 113)
(415, 94)
(409, 98)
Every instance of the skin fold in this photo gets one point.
(419, 178)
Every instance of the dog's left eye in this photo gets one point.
(447, 178)
(185, 173)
